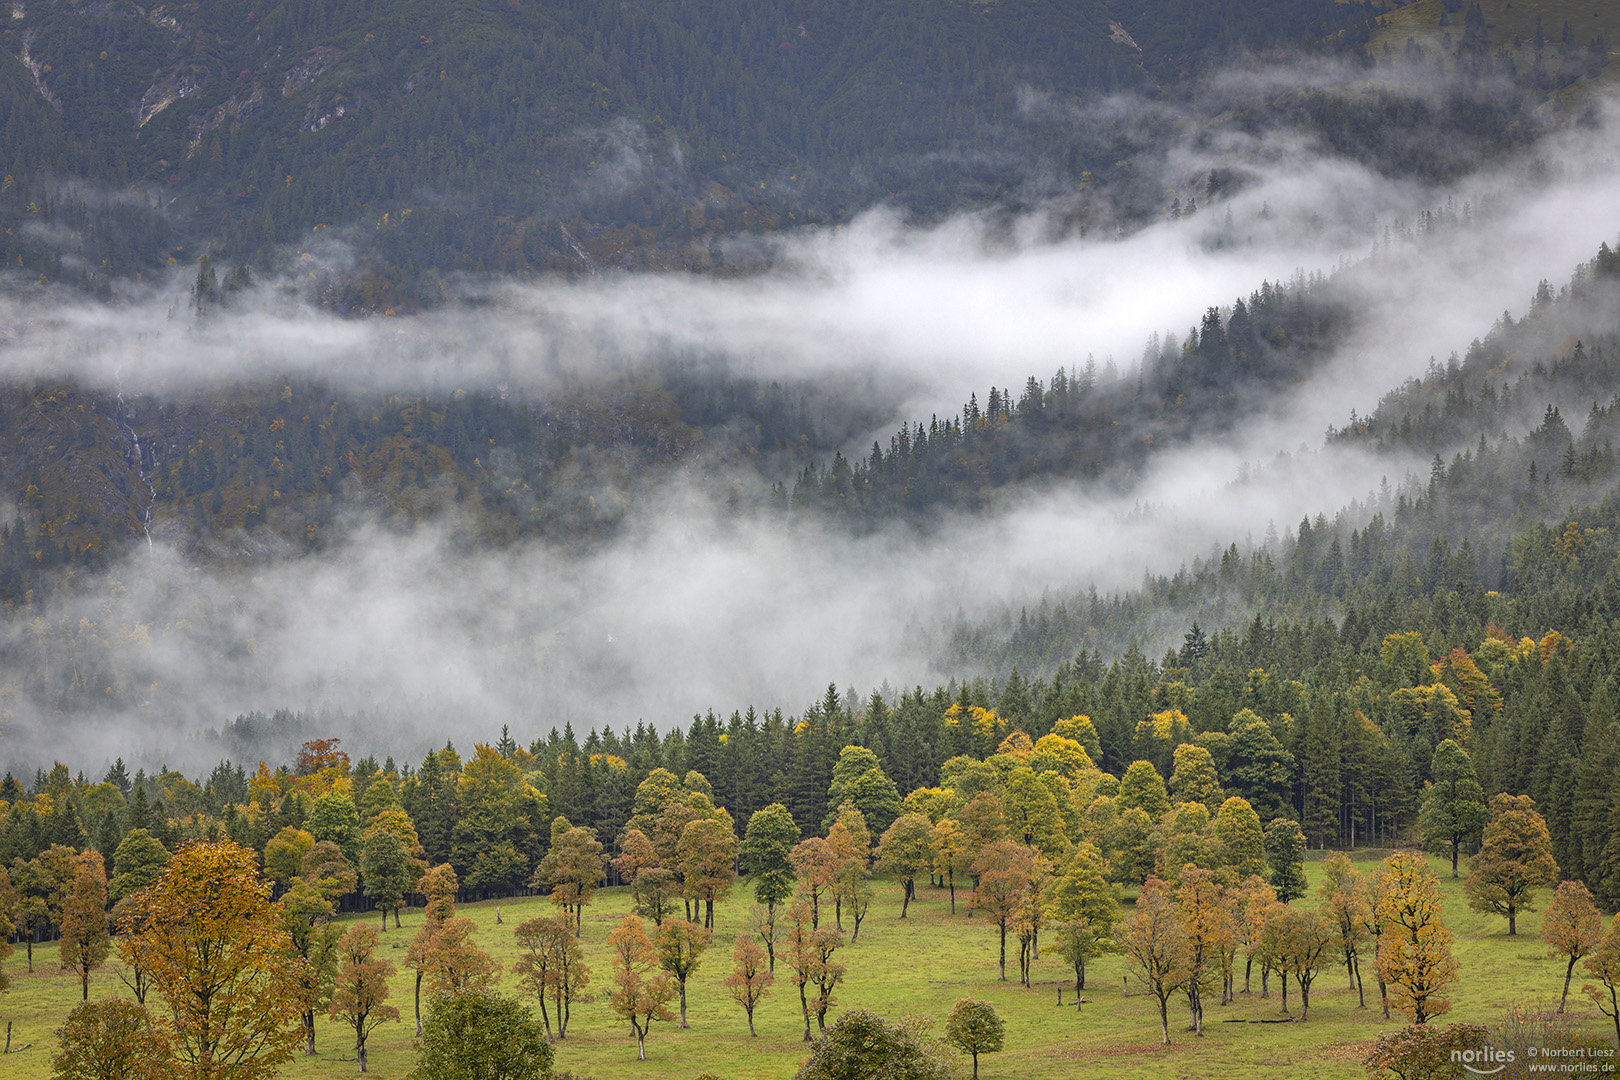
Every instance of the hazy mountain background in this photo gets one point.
(505, 363)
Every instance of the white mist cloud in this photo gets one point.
(687, 610)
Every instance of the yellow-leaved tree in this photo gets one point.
(214, 950)
(1414, 950)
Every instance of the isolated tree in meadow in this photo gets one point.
(680, 946)
(1603, 964)
(865, 1046)
(306, 915)
(1572, 926)
(1345, 903)
(707, 853)
(642, 992)
(1201, 904)
(1414, 956)
(479, 1035)
(551, 965)
(750, 979)
(1514, 860)
(1006, 871)
(974, 1028)
(905, 850)
(1285, 855)
(815, 866)
(1304, 942)
(360, 991)
(1154, 942)
(218, 957)
(1454, 809)
(386, 866)
(572, 869)
(85, 942)
(110, 1039)
(808, 949)
(766, 853)
(951, 854)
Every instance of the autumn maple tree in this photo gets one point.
(750, 979)
(641, 991)
(1514, 860)
(552, 965)
(1154, 942)
(85, 942)
(216, 954)
(680, 946)
(1571, 926)
(1603, 964)
(360, 992)
(1414, 953)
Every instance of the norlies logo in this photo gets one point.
(1485, 1061)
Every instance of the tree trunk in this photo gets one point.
(1455, 846)
(1003, 952)
(1285, 991)
(641, 1041)
(384, 917)
(975, 1065)
(418, 1004)
(360, 1052)
(1361, 995)
(684, 1024)
(309, 1033)
(396, 916)
(804, 1007)
(1568, 972)
(953, 899)
(1248, 967)
(1164, 1019)
(906, 902)
(1513, 923)
(752, 1034)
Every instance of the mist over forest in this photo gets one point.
(603, 493)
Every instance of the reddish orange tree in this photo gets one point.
(1006, 871)
(640, 995)
(1154, 942)
(1571, 927)
(750, 980)
(361, 988)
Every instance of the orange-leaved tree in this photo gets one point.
(1154, 942)
(641, 996)
(1515, 859)
(751, 979)
(1571, 927)
(216, 953)
(361, 988)
(85, 943)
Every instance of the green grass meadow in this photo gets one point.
(1506, 20)
(917, 966)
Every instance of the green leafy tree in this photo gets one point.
(1454, 809)
(477, 1034)
(1514, 860)
(974, 1028)
(1195, 778)
(1257, 766)
(385, 866)
(865, 1046)
(859, 778)
(572, 869)
(1142, 788)
(306, 916)
(334, 817)
(905, 850)
(766, 852)
(1085, 906)
(111, 1039)
(138, 861)
(1240, 842)
(1285, 853)
(680, 946)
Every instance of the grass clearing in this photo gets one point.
(919, 965)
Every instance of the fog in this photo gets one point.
(689, 608)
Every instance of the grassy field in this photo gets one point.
(918, 966)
